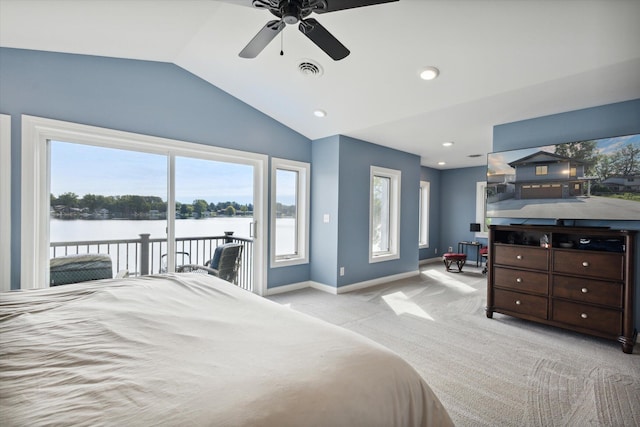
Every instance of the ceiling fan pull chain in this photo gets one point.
(282, 43)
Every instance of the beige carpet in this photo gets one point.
(487, 372)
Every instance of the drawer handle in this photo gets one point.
(584, 290)
(585, 263)
(518, 302)
(518, 256)
(584, 315)
(519, 280)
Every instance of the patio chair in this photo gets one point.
(79, 268)
(224, 264)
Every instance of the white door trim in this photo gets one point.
(5, 202)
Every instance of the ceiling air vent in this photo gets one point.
(474, 155)
(309, 68)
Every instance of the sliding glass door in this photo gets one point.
(151, 204)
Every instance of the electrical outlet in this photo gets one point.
(342, 271)
(450, 248)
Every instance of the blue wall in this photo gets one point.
(340, 188)
(325, 188)
(356, 158)
(164, 100)
(149, 98)
(592, 123)
(458, 210)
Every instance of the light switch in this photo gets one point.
(325, 218)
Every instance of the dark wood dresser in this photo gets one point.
(577, 278)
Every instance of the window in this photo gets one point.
(384, 214)
(541, 170)
(37, 134)
(290, 192)
(481, 210)
(424, 214)
(573, 171)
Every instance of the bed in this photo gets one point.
(191, 349)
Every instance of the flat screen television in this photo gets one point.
(584, 180)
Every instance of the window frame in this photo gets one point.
(425, 203)
(542, 170)
(37, 131)
(303, 200)
(5, 202)
(481, 210)
(395, 177)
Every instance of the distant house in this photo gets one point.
(630, 183)
(545, 175)
(500, 186)
(101, 213)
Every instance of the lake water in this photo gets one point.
(78, 229)
(81, 230)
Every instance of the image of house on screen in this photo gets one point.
(618, 183)
(544, 175)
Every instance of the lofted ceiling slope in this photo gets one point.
(499, 60)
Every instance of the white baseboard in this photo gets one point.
(377, 281)
(342, 289)
(430, 260)
(287, 288)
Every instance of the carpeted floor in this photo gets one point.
(487, 372)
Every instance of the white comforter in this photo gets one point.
(193, 350)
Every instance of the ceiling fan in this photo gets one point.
(297, 11)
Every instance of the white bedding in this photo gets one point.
(191, 349)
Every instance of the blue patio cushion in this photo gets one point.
(216, 255)
(79, 268)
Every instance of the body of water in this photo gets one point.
(84, 230)
(112, 229)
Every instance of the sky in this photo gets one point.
(85, 169)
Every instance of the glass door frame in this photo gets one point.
(36, 134)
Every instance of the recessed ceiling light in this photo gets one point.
(447, 144)
(441, 163)
(320, 113)
(429, 73)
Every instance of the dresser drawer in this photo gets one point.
(607, 321)
(587, 290)
(522, 256)
(520, 303)
(590, 264)
(521, 280)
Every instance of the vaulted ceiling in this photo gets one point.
(500, 61)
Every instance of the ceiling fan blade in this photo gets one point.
(323, 39)
(333, 5)
(262, 39)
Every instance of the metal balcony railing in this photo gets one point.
(145, 255)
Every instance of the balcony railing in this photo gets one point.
(145, 255)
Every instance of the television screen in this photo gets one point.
(596, 180)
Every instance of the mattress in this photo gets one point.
(191, 349)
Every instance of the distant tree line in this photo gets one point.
(70, 205)
(623, 162)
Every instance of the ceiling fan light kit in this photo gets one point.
(296, 11)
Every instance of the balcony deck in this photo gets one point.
(146, 256)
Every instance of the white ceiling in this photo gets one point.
(500, 61)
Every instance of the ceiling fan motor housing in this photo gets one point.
(296, 11)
